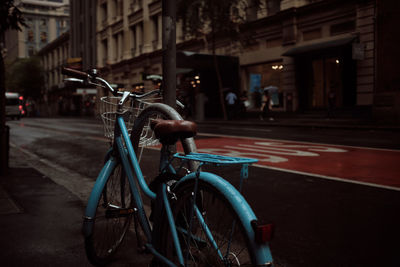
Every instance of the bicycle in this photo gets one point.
(207, 221)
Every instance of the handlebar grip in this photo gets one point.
(74, 73)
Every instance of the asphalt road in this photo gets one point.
(319, 222)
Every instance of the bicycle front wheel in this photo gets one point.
(214, 236)
(146, 144)
(113, 216)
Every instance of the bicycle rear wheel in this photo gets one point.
(146, 144)
(229, 243)
(113, 216)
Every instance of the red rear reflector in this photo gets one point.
(263, 232)
(20, 107)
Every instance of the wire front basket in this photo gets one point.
(108, 111)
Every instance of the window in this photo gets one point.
(114, 6)
(115, 47)
(262, 76)
(273, 6)
(43, 37)
(120, 46)
(343, 27)
(31, 51)
(133, 40)
(140, 37)
(120, 8)
(104, 12)
(30, 36)
(154, 21)
(105, 51)
(312, 34)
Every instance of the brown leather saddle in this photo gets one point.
(170, 131)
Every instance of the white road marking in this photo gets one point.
(329, 177)
(292, 141)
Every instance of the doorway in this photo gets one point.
(327, 83)
(326, 80)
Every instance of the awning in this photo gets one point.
(318, 46)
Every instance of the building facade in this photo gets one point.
(46, 21)
(319, 54)
(63, 98)
(128, 39)
(323, 51)
(83, 32)
(53, 57)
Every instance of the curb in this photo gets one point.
(304, 124)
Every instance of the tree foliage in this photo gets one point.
(26, 76)
(10, 16)
(209, 19)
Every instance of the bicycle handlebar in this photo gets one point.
(75, 73)
(84, 77)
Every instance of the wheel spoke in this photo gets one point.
(113, 216)
(214, 239)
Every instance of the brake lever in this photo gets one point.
(180, 104)
(74, 80)
(96, 84)
(83, 82)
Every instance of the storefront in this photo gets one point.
(264, 78)
(325, 75)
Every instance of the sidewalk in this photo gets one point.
(312, 121)
(40, 221)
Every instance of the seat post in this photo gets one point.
(164, 157)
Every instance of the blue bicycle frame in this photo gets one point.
(129, 161)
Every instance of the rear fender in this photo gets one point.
(262, 255)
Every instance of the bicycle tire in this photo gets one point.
(141, 132)
(219, 215)
(109, 229)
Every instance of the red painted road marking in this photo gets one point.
(364, 165)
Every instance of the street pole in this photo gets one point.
(4, 133)
(169, 51)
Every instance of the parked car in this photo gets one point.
(14, 105)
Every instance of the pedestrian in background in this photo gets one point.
(231, 99)
(331, 103)
(266, 106)
(243, 104)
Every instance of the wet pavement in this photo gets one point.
(39, 220)
(41, 217)
(320, 222)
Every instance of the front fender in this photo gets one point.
(95, 195)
